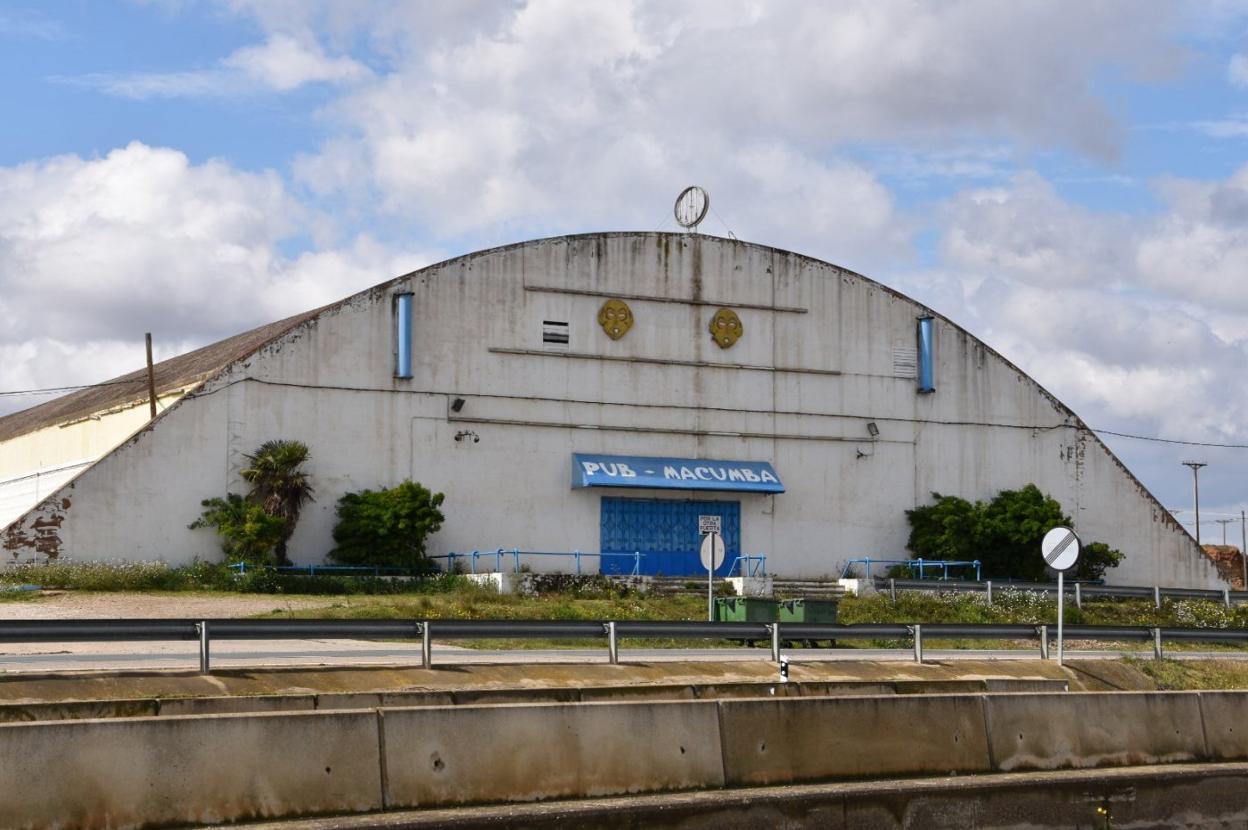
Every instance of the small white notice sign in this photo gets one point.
(710, 524)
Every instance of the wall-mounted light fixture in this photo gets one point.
(872, 429)
(457, 404)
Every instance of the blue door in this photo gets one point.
(666, 531)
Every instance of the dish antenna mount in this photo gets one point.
(691, 207)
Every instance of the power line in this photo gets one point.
(1169, 440)
(57, 390)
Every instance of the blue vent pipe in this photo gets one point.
(927, 381)
(403, 369)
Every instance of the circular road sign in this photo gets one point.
(1060, 548)
(712, 551)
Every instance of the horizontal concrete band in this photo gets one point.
(202, 769)
(238, 704)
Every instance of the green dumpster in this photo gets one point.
(745, 609)
(808, 610)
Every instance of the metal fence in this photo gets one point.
(205, 632)
(743, 565)
(1079, 591)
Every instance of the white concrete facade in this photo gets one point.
(824, 352)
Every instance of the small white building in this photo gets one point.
(599, 393)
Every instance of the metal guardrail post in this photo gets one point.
(892, 589)
(1044, 642)
(426, 646)
(1226, 597)
(1157, 652)
(775, 642)
(1078, 596)
(1157, 597)
(201, 628)
(989, 583)
(613, 646)
(918, 642)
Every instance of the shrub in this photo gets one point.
(248, 534)
(1003, 534)
(387, 527)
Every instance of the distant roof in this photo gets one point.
(175, 373)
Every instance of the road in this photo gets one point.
(43, 657)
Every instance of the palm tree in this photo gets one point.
(279, 486)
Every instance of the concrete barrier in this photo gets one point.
(217, 768)
(473, 754)
(171, 770)
(78, 710)
(1094, 729)
(1226, 728)
(179, 706)
(812, 739)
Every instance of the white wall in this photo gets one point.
(814, 366)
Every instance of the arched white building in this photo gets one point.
(597, 392)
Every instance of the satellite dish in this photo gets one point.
(691, 207)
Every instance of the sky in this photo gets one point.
(1067, 180)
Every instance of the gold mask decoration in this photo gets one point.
(616, 318)
(726, 328)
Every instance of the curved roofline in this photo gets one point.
(285, 328)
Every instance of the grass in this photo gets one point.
(1182, 675)
(213, 577)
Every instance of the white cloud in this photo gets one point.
(555, 114)
(94, 252)
(1237, 70)
(1027, 231)
(282, 63)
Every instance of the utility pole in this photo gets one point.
(151, 375)
(1196, 465)
(1224, 523)
(1243, 550)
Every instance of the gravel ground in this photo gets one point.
(66, 605)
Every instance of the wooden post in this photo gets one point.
(151, 375)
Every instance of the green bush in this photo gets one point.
(248, 533)
(387, 528)
(1003, 534)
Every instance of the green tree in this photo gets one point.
(279, 486)
(1003, 534)
(248, 534)
(387, 527)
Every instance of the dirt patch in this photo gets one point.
(69, 605)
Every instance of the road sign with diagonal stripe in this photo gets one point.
(1060, 548)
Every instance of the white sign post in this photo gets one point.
(712, 557)
(1060, 549)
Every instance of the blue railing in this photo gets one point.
(331, 570)
(514, 555)
(749, 565)
(919, 565)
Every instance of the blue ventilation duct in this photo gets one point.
(403, 366)
(927, 382)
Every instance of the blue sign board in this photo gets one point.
(674, 473)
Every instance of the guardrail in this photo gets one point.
(1078, 590)
(206, 631)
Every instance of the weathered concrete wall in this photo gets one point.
(130, 773)
(523, 753)
(792, 741)
(153, 771)
(815, 365)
